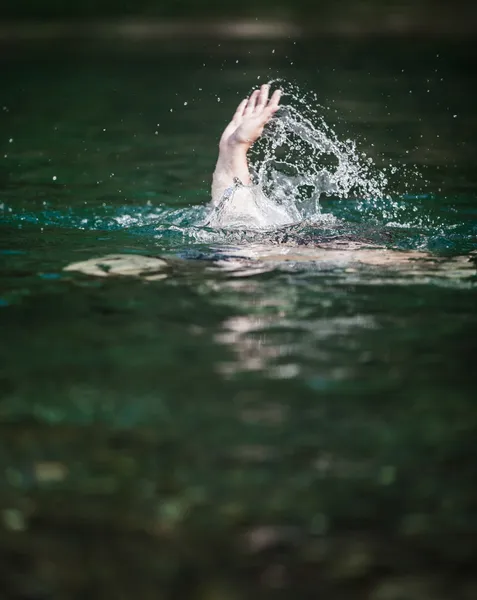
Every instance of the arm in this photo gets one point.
(245, 128)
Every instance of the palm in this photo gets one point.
(251, 117)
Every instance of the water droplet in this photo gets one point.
(297, 186)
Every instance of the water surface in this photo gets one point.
(267, 418)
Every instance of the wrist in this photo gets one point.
(232, 162)
(234, 146)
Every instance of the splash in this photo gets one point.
(301, 158)
(298, 160)
(247, 207)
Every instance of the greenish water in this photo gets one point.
(241, 428)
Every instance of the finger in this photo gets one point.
(240, 109)
(273, 106)
(275, 100)
(263, 97)
(252, 102)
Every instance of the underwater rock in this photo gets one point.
(149, 267)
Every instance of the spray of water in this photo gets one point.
(298, 160)
(300, 150)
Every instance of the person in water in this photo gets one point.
(235, 201)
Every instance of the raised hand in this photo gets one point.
(250, 118)
(243, 130)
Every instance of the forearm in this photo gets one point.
(231, 163)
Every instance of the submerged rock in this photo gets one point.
(149, 267)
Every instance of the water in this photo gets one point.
(267, 414)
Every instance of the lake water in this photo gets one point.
(267, 415)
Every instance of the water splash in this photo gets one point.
(247, 207)
(299, 159)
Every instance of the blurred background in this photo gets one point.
(343, 16)
(352, 15)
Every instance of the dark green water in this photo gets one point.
(233, 430)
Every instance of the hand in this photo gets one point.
(250, 118)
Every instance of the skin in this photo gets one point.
(244, 129)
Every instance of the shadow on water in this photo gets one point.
(235, 414)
